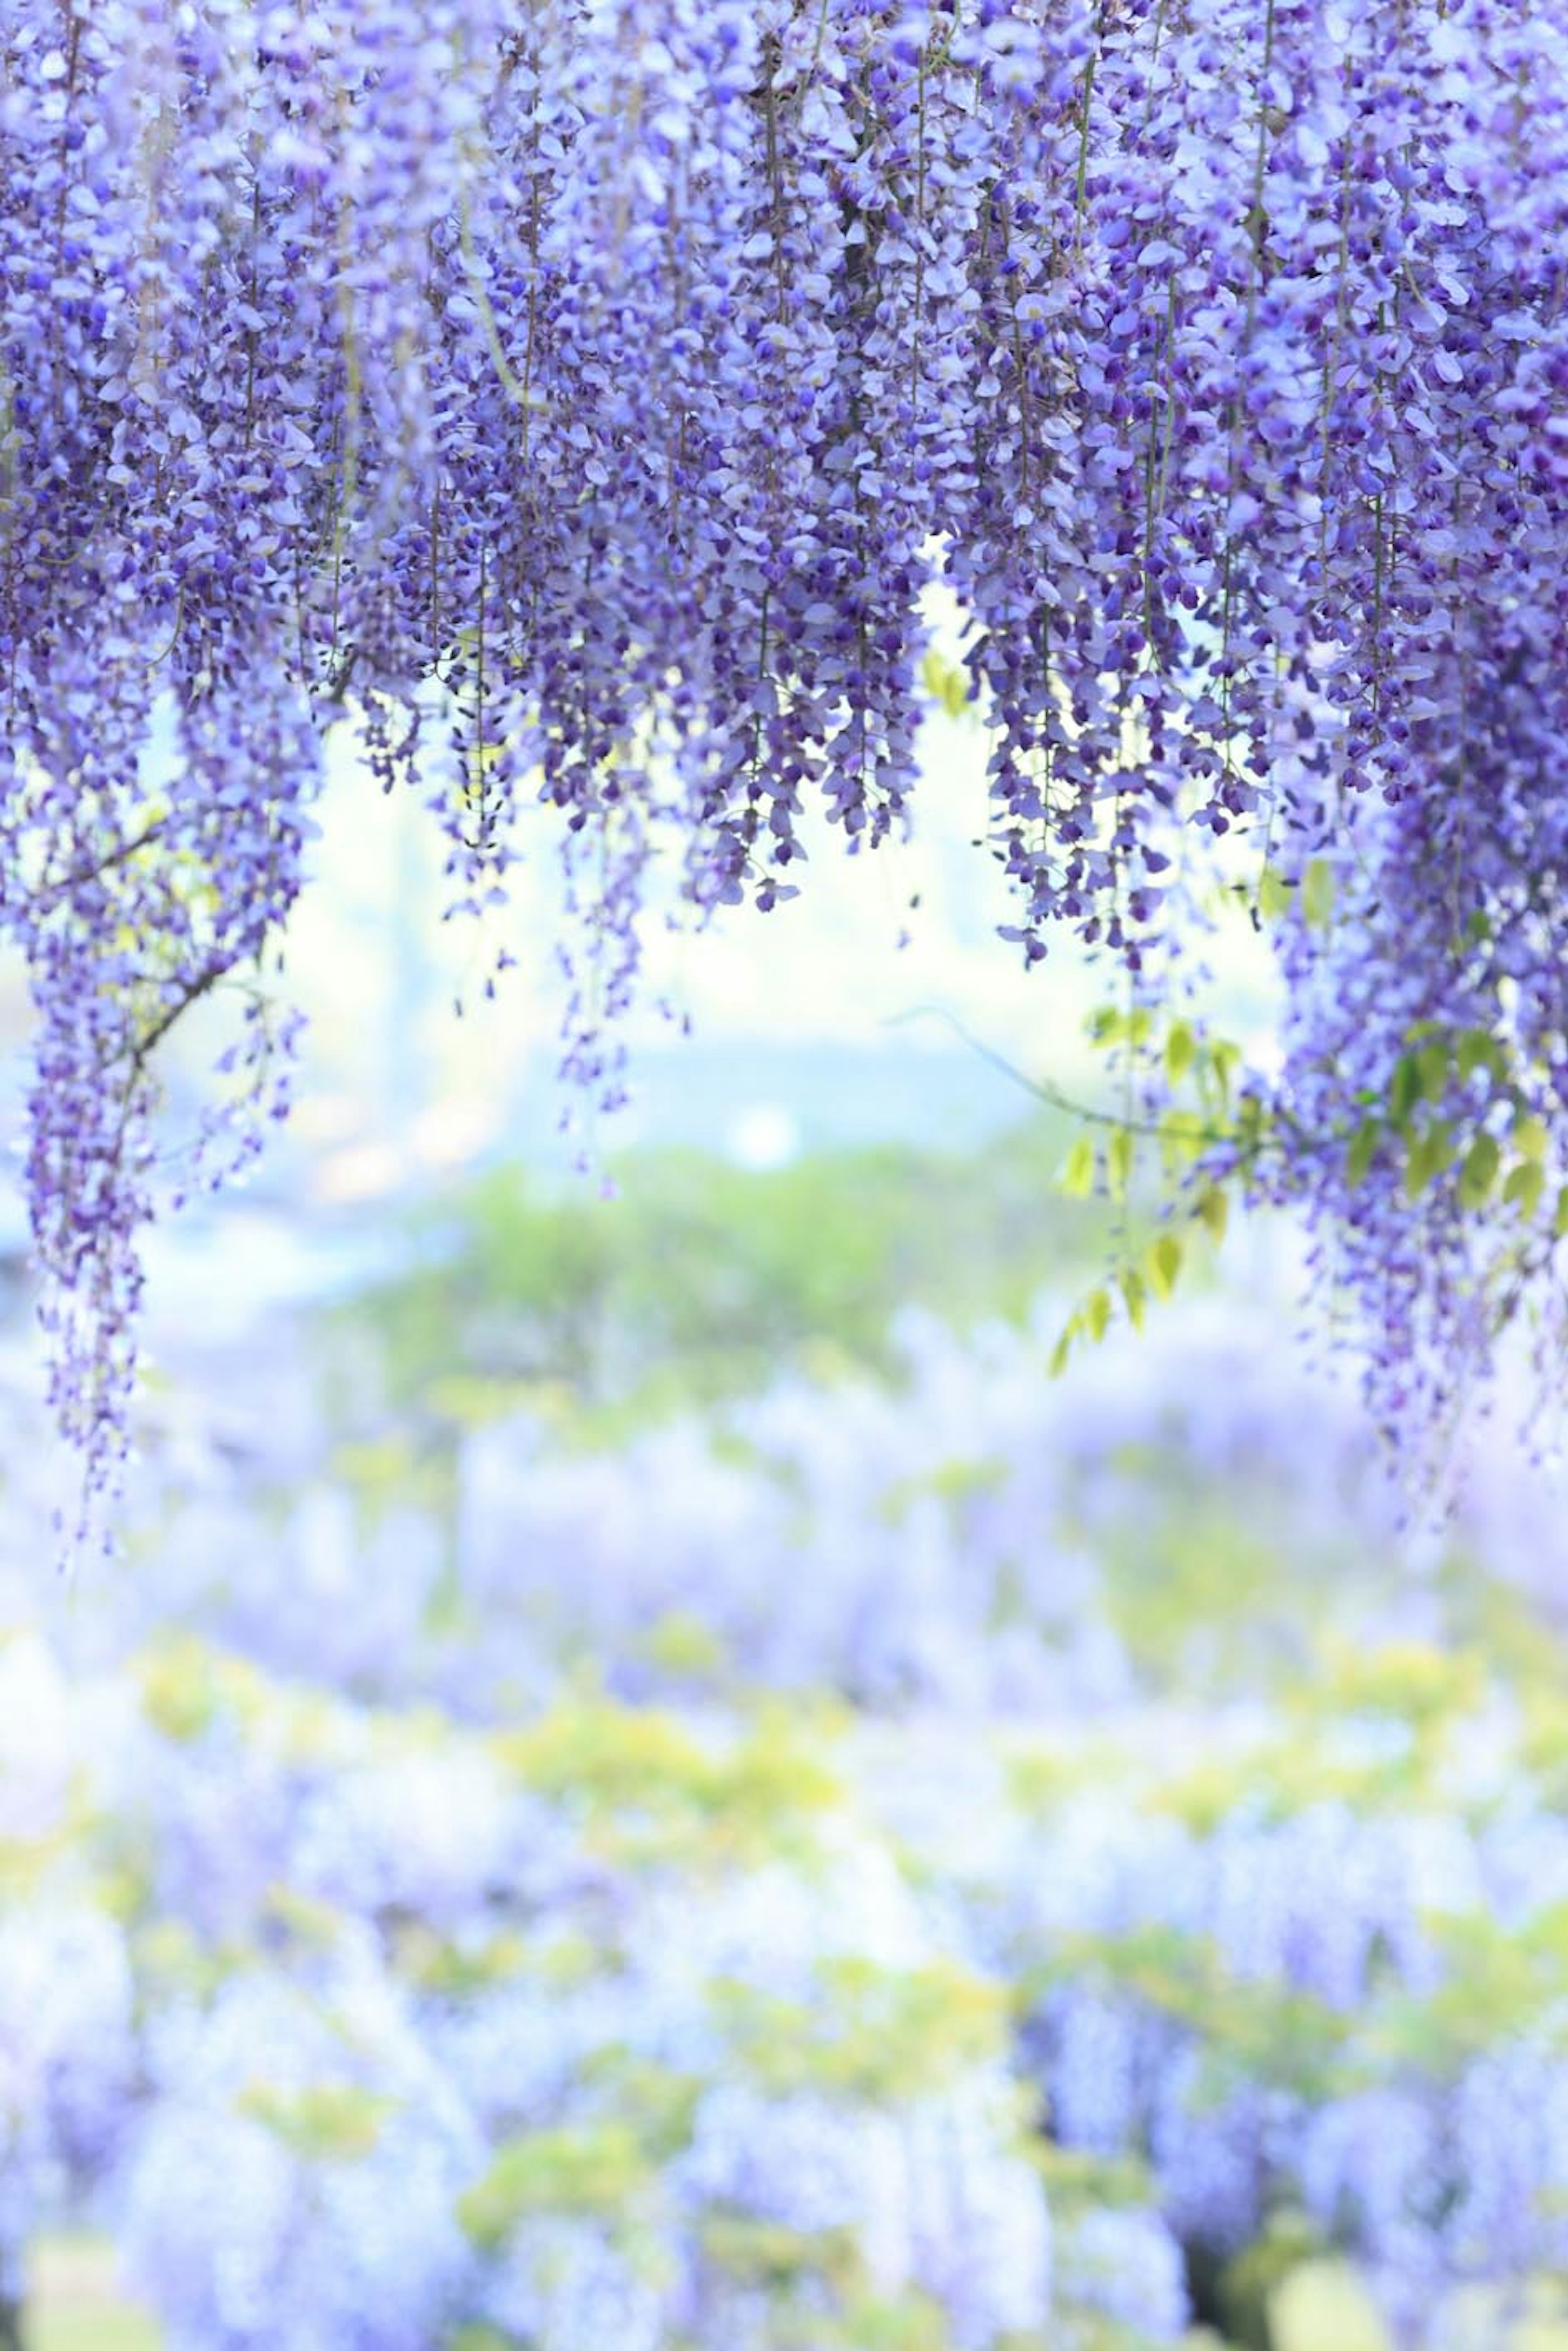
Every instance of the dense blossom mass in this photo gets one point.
(585, 392)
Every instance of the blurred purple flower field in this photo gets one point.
(931, 1858)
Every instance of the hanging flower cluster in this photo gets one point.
(587, 388)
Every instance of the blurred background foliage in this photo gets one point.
(699, 1279)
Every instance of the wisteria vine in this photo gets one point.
(587, 391)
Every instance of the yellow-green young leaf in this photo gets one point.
(1318, 893)
(1097, 1313)
(1119, 1155)
(1182, 1138)
(1130, 1282)
(1559, 1221)
(1479, 1171)
(1363, 1150)
(1180, 1050)
(1064, 1347)
(1529, 1138)
(1078, 1175)
(1214, 1212)
(1523, 1188)
(593, 2169)
(945, 683)
(1163, 1262)
(328, 2122)
(1273, 894)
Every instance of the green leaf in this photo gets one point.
(1214, 1211)
(1273, 894)
(1529, 1138)
(1163, 1262)
(1134, 1291)
(593, 2170)
(1559, 1221)
(1478, 1048)
(1078, 1175)
(1404, 1088)
(1479, 1171)
(1224, 1060)
(1064, 1347)
(328, 2122)
(1181, 1048)
(1119, 1156)
(1318, 894)
(1251, 1119)
(1523, 1190)
(772, 2256)
(1429, 1153)
(1097, 1313)
(1363, 1150)
(945, 683)
(680, 1642)
(866, 2030)
(1432, 1060)
(1182, 1137)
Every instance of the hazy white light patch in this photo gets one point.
(764, 1135)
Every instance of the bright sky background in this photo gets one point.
(818, 995)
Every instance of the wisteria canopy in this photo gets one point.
(586, 391)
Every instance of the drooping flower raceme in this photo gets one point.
(588, 391)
